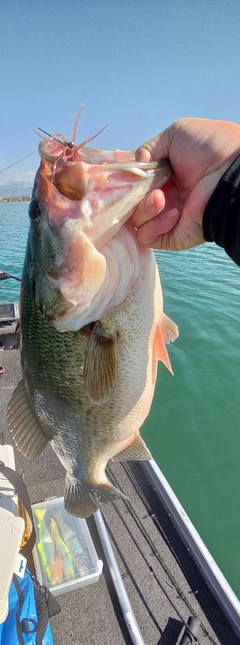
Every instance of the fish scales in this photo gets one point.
(92, 322)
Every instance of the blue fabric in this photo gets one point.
(20, 626)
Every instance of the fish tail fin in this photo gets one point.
(40, 513)
(83, 498)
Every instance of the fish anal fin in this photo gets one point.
(84, 498)
(136, 451)
(29, 438)
(100, 368)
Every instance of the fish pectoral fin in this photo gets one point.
(29, 438)
(169, 329)
(136, 451)
(166, 332)
(100, 368)
(84, 498)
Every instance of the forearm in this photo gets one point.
(221, 219)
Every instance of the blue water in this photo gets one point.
(13, 236)
(193, 429)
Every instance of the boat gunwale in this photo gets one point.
(202, 557)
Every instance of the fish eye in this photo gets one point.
(34, 209)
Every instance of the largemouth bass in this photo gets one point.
(92, 322)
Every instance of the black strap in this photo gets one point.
(47, 606)
(17, 482)
(20, 604)
(221, 218)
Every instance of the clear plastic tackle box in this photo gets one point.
(64, 554)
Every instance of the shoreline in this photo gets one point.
(25, 199)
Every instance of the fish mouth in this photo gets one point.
(73, 178)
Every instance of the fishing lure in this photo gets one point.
(60, 557)
(64, 527)
(62, 548)
(57, 568)
(45, 545)
(74, 545)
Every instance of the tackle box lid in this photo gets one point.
(64, 555)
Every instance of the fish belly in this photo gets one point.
(111, 430)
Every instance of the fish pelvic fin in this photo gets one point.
(28, 436)
(169, 329)
(84, 498)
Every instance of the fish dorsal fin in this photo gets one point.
(166, 332)
(136, 451)
(100, 368)
(29, 438)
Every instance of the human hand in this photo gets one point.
(200, 151)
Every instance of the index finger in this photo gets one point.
(148, 208)
(156, 148)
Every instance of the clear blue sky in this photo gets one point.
(136, 65)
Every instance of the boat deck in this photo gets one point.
(163, 583)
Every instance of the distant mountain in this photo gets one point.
(16, 188)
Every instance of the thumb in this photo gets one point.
(156, 148)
